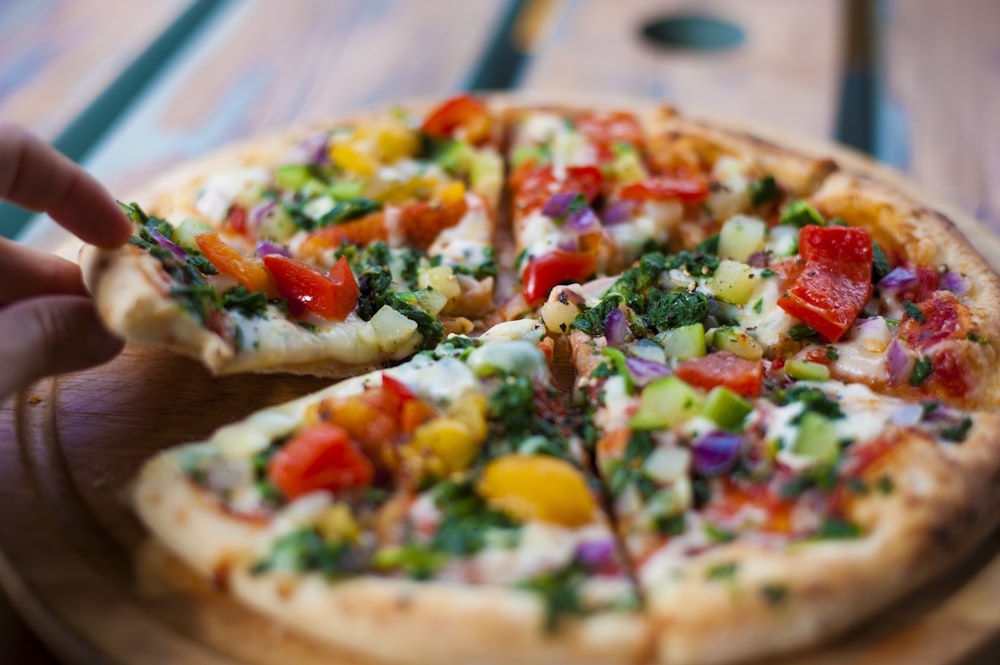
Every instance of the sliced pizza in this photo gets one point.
(338, 251)
(447, 496)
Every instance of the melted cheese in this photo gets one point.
(221, 190)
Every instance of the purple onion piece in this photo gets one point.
(264, 248)
(900, 363)
(314, 148)
(955, 283)
(645, 371)
(584, 221)
(900, 278)
(616, 328)
(618, 212)
(558, 205)
(169, 244)
(569, 243)
(758, 259)
(716, 452)
(595, 554)
(259, 211)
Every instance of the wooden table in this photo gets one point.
(131, 88)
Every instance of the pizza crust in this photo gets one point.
(941, 505)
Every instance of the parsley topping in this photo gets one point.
(921, 370)
(914, 312)
(763, 191)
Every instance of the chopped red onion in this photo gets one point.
(314, 148)
(900, 278)
(264, 248)
(595, 554)
(955, 283)
(900, 363)
(716, 452)
(758, 259)
(646, 371)
(260, 211)
(169, 244)
(569, 243)
(584, 221)
(618, 212)
(558, 205)
(616, 328)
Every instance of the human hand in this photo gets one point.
(48, 324)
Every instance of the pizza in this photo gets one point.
(623, 386)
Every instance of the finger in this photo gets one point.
(37, 177)
(50, 335)
(26, 272)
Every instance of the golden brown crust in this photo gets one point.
(910, 231)
(680, 144)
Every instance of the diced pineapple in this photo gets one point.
(538, 487)
(391, 330)
(350, 158)
(395, 141)
(440, 278)
(449, 441)
(733, 282)
(740, 237)
(337, 524)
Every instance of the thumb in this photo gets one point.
(50, 335)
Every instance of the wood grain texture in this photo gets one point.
(941, 99)
(265, 65)
(785, 74)
(58, 55)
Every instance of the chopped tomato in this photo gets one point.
(944, 318)
(397, 388)
(364, 231)
(420, 223)
(951, 372)
(554, 268)
(774, 511)
(607, 129)
(464, 114)
(662, 189)
(249, 272)
(835, 282)
(238, 219)
(332, 296)
(723, 368)
(322, 457)
(584, 179)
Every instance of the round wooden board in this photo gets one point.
(79, 567)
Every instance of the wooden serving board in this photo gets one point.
(79, 567)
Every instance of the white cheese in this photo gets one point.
(862, 355)
(734, 196)
(219, 191)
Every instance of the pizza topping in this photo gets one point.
(464, 117)
(835, 282)
(540, 487)
(723, 368)
(332, 296)
(322, 457)
(554, 268)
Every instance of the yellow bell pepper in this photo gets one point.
(349, 157)
(538, 487)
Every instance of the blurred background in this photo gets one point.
(131, 88)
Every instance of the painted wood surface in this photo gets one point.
(786, 73)
(56, 56)
(941, 99)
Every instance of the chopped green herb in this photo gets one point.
(880, 264)
(722, 571)
(801, 332)
(774, 594)
(465, 519)
(914, 312)
(758, 306)
(921, 370)
(718, 535)
(834, 528)
(709, 246)
(885, 485)
(799, 214)
(767, 272)
(813, 399)
(973, 337)
(591, 321)
(561, 591)
(832, 353)
(240, 299)
(957, 433)
(306, 551)
(763, 191)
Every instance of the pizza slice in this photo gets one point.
(327, 254)
(774, 470)
(593, 191)
(446, 503)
